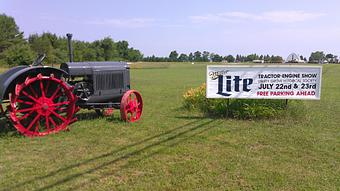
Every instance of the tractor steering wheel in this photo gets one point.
(38, 61)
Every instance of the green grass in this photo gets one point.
(172, 149)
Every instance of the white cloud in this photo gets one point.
(124, 23)
(270, 16)
(290, 16)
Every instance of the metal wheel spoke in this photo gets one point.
(28, 109)
(26, 115)
(127, 107)
(47, 86)
(55, 93)
(33, 122)
(33, 92)
(59, 116)
(135, 99)
(47, 124)
(36, 126)
(61, 109)
(25, 102)
(61, 103)
(42, 89)
(53, 122)
(59, 94)
(29, 96)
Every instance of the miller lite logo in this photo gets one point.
(225, 84)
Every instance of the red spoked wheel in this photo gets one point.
(131, 106)
(42, 105)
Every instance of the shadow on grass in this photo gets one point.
(7, 129)
(169, 138)
(190, 117)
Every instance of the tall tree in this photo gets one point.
(205, 56)
(183, 58)
(9, 32)
(123, 49)
(18, 54)
(230, 58)
(317, 57)
(216, 57)
(197, 56)
(173, 56)
(191, 57)
(134, 55)
(14, 50)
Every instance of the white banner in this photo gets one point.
(264, 82)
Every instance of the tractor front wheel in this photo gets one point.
(131, 106)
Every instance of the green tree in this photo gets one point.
(173, 56)
(110, 51)
(317, 57)
(9, 32)
(191, 57)
(134, 55)
(276, 59)
(238, 58)
(216, 57)
(197, 56)
(14, 50)
(123, 49)
(230, 58)
(252, 57)
(205, 56)
(42, 45)
(89, 54)
(18, 54)
(96, 46)
(183, 58)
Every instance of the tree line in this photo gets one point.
(206, 56)
(16, 50)
(321, 57)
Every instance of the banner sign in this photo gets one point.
(264, 82)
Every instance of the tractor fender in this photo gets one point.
(17, 75)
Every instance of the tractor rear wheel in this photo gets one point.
(42, 105)
(131, 106)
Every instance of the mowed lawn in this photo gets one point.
(173, 149)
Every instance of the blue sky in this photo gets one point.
(220, 26)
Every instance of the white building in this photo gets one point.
(294, 58)
(258, 61)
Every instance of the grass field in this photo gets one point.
(172, 149)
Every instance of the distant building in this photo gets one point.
(333, 60)
(294, 58)
(258, 61)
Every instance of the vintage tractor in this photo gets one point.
(41, 100)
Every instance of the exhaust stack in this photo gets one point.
(69, 42)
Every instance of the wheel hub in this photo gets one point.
(44, 105)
